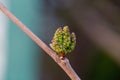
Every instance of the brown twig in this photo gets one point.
(64, 64)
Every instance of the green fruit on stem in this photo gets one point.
(63, 41)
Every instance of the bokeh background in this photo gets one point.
(97, 27)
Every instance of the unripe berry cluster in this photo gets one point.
(63, 41)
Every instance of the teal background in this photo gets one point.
(23, 53)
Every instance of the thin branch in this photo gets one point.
(64, 64)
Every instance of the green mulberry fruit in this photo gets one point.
(63, 41)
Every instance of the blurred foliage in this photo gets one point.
(89, 60)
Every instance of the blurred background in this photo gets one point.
(97, 27)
